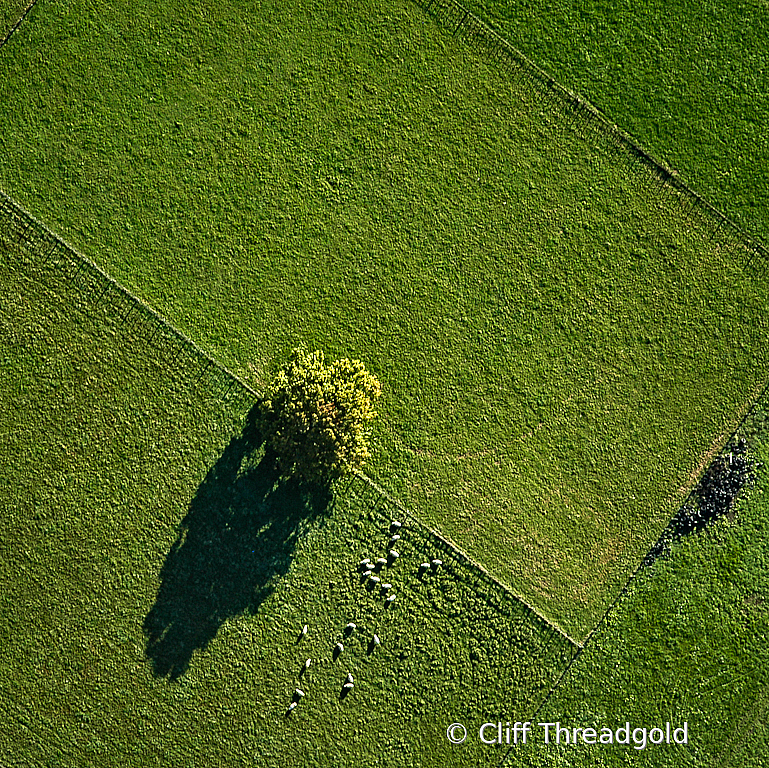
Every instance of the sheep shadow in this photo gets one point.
(233, 545)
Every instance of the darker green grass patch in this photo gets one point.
(688, 643)
(688, 81)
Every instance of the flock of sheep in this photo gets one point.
(370, 576)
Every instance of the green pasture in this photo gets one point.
(688, 643)
(10, 12)
(690, 81)
(560, 349)
(155, 578)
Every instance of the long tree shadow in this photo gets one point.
(236, 540)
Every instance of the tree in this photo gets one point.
(315, 416)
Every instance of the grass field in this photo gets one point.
(560, 349)
(155, 578)
(689, 81)
(10, 12)
(688, 643)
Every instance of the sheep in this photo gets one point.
(338, 648)
(376, 640)
(380, 563)
(384, 587)
(394, 555)
(394, 538)
(347, 687)
(349, 629)
(305, 629)
(363, 564)
(307, 664)
(436, 564)
(367, 573)
(375, 579)
(424, 567)
(394, 526)
(298, 694)
(390, 600)
(349, 678)
(291, 707)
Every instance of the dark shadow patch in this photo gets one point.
(235, 542)
(713, 497)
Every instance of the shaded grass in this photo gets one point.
(154, 577)
(553, 339)
(688, 643)
(688, 81)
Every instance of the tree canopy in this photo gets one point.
(315, 416)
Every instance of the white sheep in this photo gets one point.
(307, 664)
(437, 564)
(394, 525)
(350, 678)
(394, 555)
(390, 600)
(394, 538)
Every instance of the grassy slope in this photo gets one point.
(690, 642)
(689, 81)
(545, 328)
(128, 506)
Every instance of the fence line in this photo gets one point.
(584, 117)
(22, 230)
(485, 582)
(21, 18)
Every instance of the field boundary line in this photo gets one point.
(22, 230)
(30, 5)
(45, 248)
(582, 114)
(762, 396)
(462, 556)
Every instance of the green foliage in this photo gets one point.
(315, 416)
